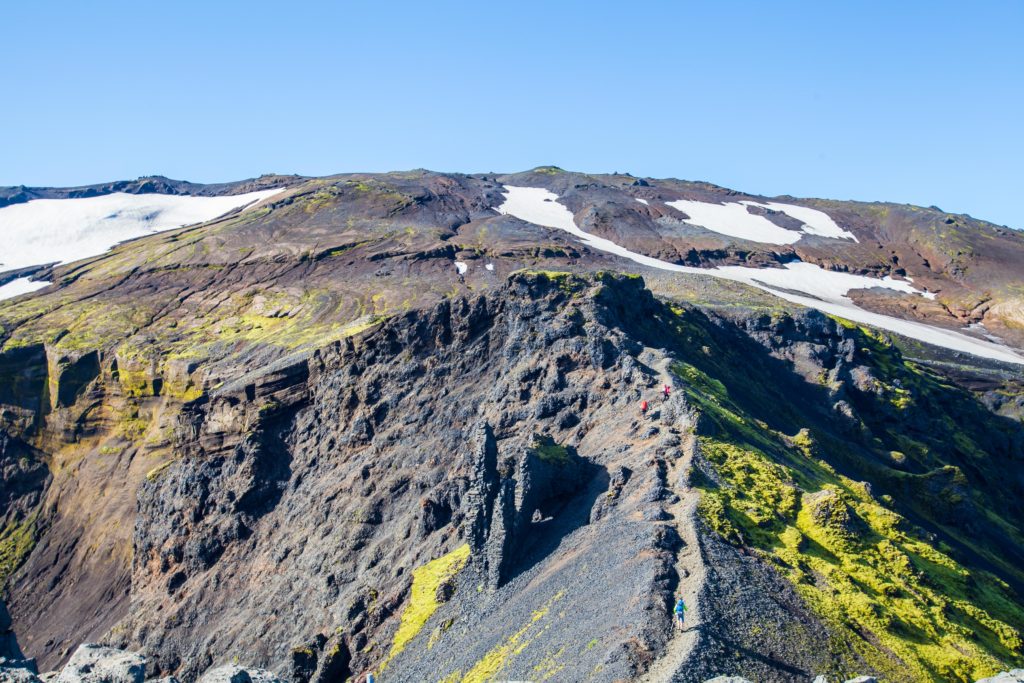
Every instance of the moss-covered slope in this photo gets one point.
(889, 499)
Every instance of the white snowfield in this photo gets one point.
(827, 285)
(461, 267)
(733, 219)
(809, 285)
(63, 230)
(21, 285)
(814, 222)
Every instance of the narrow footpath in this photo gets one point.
(690, 566)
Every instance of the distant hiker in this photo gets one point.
(668, 390)
(643, 407)
(680, 611)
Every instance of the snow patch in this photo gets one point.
(461, 267)
(642, 201)
(812, 279)
(63, 230)
(489, 266)
(809, 285)
(814, 222)
(21, 285)
(733, 219)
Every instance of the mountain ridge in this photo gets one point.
(249, 437)
(155, 184)
(975, 287)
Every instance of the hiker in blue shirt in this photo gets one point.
(680, 610)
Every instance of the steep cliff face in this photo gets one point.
(471, 490)
(330, 488)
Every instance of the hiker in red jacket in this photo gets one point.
(643, 408)
(668, 390)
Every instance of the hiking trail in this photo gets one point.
(690, 566)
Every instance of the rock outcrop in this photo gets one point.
(93, 663)
(507, 498)
(1014, 676)
(232, 673)
(100, 664)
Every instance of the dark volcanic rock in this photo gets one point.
(9, 649)
(271, 497)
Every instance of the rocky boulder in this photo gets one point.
(232, 673)
(1013, 676)
(18, 671)
(99, 664)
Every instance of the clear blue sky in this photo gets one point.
(921, 102)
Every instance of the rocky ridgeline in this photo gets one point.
(495, 436)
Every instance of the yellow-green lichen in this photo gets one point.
(155, 473)
(491, 664)
(894, 596)
(423, 597)
(16, 541)
(550, 452)
(865, 569)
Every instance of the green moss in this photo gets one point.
(491, 664)
(184, 393)
(16, 541)
(551, 665)
(893, 595)
(863, 567)
(320, 199)
(339, 251)
(155, 473)
(309, 321)
(551, 452)
(761, 495)
(567, 282)
(423, 597)
(130, 425)
(844, 322)
(135, 383)
(145, 342)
